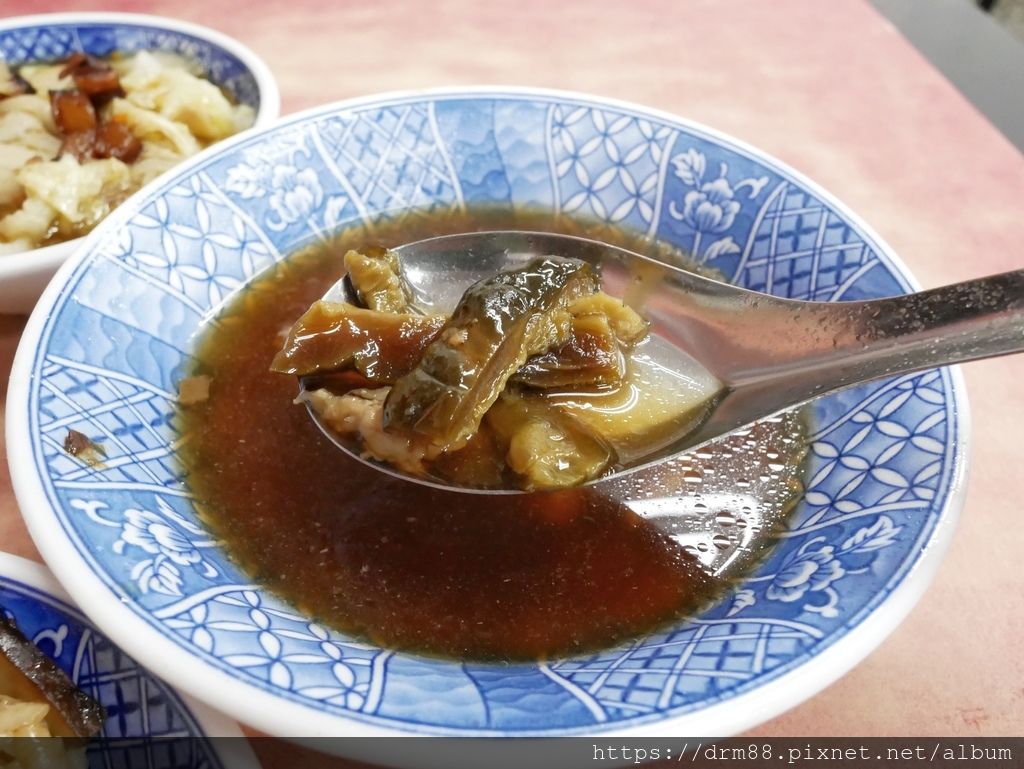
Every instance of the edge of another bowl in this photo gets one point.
(234, 753)
(24, 275)
(263, 710)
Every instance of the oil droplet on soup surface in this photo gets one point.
(518, 577)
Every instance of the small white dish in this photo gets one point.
(48, 37)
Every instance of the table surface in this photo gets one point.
(830, 88)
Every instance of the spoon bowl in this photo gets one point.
(758, 353)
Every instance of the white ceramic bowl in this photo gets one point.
(112, 336)
(49, 37)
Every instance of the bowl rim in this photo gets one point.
(46, 259)
(274, 714)
(36, 578)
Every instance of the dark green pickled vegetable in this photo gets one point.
(498, 324)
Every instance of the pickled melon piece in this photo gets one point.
(603, 330)
(333, 335)
(478, 464)
(590, 357)
(29, 676)
(655, 405)
(499, 323)
(624, 321)
(545, 448)
(376, 276)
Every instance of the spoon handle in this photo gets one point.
(806, 349)
(856, 342)
(980, 318)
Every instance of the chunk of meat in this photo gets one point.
(479, 464)
(360, 413)
(115, 140)
(603, 330)
(73, 112)
(79, 445)
(93, 77)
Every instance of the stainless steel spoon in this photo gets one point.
(770, 354)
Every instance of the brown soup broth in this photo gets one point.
(519, 577)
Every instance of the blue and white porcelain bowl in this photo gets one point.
(51, 37)
(112, 336)
(140, 708)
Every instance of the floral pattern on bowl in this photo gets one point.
(104, 354)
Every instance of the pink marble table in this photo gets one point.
(832, 89)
